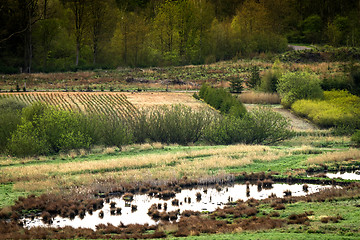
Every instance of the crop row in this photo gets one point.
(109, 104)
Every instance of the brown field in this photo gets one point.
(149, 99)
(114, 103)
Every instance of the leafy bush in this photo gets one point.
(293, 86)
(356, 137)
(338, 108)
(10, 118)
(47, 130)
(26, 141)
(222, 100)
(260, 126)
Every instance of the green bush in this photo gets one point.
(175, 124)
(111, 132)
(222, 100)
(356, 137)
(26, 141)
(10, 118)
(337, 109)
(294, 86)
(260, 126)
(46, 130)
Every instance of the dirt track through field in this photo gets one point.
(297, 123)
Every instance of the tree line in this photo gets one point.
(59, 35)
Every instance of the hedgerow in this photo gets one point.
(260, 126)
(43, 130)
(222, 100)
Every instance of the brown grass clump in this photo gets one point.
(198, 196)
(166, 194)
(274, 214)
(133, 208)
(279, 206)
(332, 219)
(153, 212)
(188, 213)
(259, 98)
(175, 202)
(5, 212)
(301, 218)
(267, 183)
(258, 223)
(287, 193)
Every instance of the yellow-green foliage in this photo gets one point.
(336, 108)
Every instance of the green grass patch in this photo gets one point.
(8, 196)
(273, 235)
(281, 165)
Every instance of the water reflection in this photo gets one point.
(196, 199)
(353, 175)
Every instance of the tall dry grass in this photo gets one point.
(160, 166)
(352, 154)
(259, 98)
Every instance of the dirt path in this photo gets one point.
(297, 123)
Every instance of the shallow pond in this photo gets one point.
(211, 199)
(353, 175)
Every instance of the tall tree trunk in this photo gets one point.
(77, 52)
(45, 36)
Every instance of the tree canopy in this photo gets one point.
(59, 35)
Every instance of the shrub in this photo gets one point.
(260, 126)
(26, 141)
(175, 124)
(10, 118)
(293, 86)
(222, 100)
(338, 108)
(110, 132)
(356, 137)
(47, 130)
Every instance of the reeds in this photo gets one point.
(352, 154)
(259, 98)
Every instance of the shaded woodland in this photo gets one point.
(62, 35)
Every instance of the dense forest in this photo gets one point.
(59, 35)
